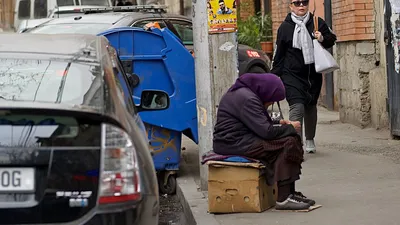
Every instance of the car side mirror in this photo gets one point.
(152, 100)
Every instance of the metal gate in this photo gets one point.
(392, 40)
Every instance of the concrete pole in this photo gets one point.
(216, 67)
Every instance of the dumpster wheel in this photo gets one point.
(167, 182)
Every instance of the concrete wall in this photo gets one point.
(378, 77)
(362, 81)
(356, 59)
(173, 6)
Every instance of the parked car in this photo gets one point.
(67, 11)
(26, 10)
(72, 146)
(97, 20)
(26, 24)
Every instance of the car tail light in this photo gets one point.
(119, 178)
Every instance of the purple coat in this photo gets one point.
(242, 118)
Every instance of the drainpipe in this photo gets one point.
(329, 83)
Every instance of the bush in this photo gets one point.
(255, 29)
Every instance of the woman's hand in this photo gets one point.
(283, 122)
(318, 36)
(296, 125)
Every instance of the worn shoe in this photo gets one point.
(310, 146)
(303, 198)
(292, 203)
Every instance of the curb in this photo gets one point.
(194, 203)
(188, 217)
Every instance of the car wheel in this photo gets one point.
(256, 69)
(170, 187)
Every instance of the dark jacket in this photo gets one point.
(241, 122)
(302, 83)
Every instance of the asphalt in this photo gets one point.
(171, 210)
(355, 175)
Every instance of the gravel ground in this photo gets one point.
(171, 210)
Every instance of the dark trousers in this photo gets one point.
(308, 113)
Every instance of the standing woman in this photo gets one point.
(294, 63)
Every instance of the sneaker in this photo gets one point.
(303, 198)
(310, 146)
(291, 203)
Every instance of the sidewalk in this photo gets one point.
(355, 175)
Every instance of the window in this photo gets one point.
(95, 2)
(50, 81)
(65, 2)
(24, 9)
(38, 130)
(185, 31)
(122, 82)
(40, 9)
(142, 23)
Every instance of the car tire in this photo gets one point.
(170, 187)
(256, 69)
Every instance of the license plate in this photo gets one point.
(17, 179)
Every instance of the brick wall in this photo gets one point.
(353, 19)
(246, 8)
(279, 10)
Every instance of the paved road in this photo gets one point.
(353, 189)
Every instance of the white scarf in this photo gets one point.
(302, 39)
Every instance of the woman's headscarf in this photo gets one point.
(268, 87)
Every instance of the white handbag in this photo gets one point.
(324, 61)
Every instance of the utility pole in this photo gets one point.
(216, 67)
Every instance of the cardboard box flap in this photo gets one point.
(238, 164)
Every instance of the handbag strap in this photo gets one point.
(279, 108)
(315, 23)
(314, 17)
(280, 111)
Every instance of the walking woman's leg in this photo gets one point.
(296, 113)
(310, 126)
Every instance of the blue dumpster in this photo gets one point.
(162, 63)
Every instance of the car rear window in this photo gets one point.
(32, 130)
(50, 81)
(93, 28)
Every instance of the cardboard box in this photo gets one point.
(238, 188)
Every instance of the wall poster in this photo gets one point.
(222, 16)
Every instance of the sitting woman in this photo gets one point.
(244, 128)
